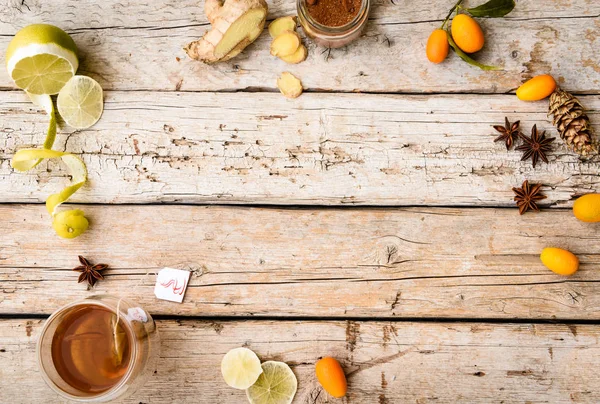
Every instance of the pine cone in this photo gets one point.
(572, 123)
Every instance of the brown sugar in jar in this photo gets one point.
(333, 23)
(333, 13)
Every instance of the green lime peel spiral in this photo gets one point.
(69, 223)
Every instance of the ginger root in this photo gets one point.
(235, 25)
(282, 24)
(285, 44)
(289, 85)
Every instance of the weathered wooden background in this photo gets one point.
(370, 219)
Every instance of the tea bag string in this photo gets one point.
(135, 287)
(184, 266)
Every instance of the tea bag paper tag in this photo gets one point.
(136, 314)
(171, 284)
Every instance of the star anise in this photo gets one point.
(527, 195)
(508, 133)
(90, 273)
(536, 146)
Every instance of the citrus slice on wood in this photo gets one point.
(80, 102)
(240, 368)
(276, 385)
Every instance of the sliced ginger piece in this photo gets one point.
(285, 44)
(235, 25)
(289, 85)
(296, 57)
(282, 24)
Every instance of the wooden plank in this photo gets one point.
(172, 13)
(386, 362)
(137, 45)
(326, 149)
(418, 262)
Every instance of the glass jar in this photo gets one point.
(143, 348)
(333, 37)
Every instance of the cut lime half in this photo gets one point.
(80, 102)
(276, 385)
(41, 59)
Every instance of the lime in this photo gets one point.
(276, 385)
(80, 102)
(240, 368)
(70, 223)
(41, 58)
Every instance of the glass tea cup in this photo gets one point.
(98, 349)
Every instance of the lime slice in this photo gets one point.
(276, 385)
(41, 58)
(240, 368)
(80, 102)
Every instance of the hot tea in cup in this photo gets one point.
(97, 349)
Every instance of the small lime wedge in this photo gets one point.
(80, 102)
(276, 385)
(240, 368)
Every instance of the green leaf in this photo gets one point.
(466, 57)
(493, 8)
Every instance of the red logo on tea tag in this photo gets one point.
(171, 284)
